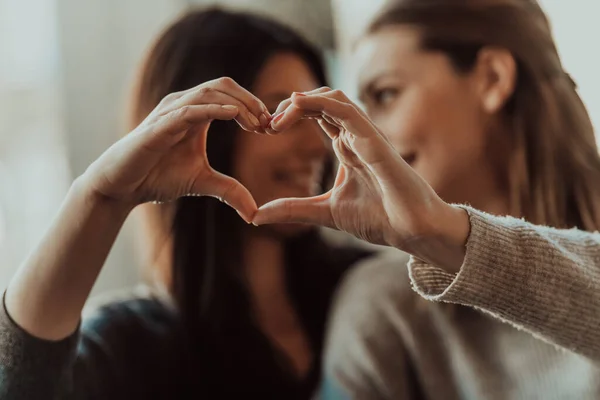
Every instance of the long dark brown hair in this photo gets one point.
(553, 163)
(204, 275)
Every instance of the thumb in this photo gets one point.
(230, 191)
(309, 210)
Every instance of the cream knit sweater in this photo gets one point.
(521, 320)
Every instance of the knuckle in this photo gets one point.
(256, 105)
(204, 90)
(169, 98)
(181, 113)
(338, 94)
(347, 109)
(225, 81)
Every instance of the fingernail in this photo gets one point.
(229, 107)
(299, 94)
(254, 120)
(276, 118)
(264, 120)
(244, 218)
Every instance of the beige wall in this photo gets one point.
(101, 43)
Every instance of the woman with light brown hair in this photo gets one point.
(472, 95)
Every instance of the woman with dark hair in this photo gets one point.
(244, 309)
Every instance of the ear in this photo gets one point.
(496, 75)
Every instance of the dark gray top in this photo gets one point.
(129, 349)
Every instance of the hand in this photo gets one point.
(164, 158)
(376, 197)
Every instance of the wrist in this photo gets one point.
(441, 241)
(97, 201)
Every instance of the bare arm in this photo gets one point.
(542, 280)
(48, 292)
(161, 160)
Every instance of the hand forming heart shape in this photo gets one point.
(164, 158)
(376, 196)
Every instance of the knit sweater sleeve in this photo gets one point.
(542, 280)
(32, 368)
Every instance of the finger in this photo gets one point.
(371, 147)
(208, 95)
(330, 129)
(169, 129)
(230, 191)
(258, 114)
(282, 107)
(288, 118)
(286, 103)
(245, 119)
(252, 103)
(345, 113)
(310, 210)
(345, 154)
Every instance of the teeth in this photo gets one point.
(307, 181)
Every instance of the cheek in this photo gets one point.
(454, 144)
(406, 123)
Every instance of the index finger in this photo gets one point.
(287, 102)
(231, 88)
(253, 103)
(344, 113)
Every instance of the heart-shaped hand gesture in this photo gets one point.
(164, 158)
(376, 197)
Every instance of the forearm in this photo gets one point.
(545, 281)
(48, 292)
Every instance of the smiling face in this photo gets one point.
(431, 113)
(289, 164)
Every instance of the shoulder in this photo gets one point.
(134, 340)
(126, 324)
(140, 306)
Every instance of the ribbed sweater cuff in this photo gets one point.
(487, 269)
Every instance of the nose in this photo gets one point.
(311, 141)
(391, 130)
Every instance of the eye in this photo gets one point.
(383, 96)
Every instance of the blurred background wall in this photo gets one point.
(65, 69)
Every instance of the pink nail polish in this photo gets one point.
(276, 118)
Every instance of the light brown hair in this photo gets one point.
(552, 166)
